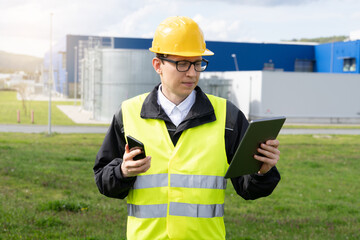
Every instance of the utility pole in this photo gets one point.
(75, 74)
(50, 78)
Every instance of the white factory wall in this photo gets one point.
(301, 97)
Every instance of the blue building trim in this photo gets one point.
(132, 43)
(324, 58)
(252, 56)
(330, 56)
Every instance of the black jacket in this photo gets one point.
(107, 169)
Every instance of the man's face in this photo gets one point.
(176, 86)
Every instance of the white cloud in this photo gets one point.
(218, 29)
(279, 2)
(19, 21)
(142, 21)
(131, 24)
(23, 22)
(268, 3)
(28, 46)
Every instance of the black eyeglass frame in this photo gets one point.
(191, 63)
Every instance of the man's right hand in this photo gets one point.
(130, 167)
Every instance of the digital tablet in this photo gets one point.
(258, 131)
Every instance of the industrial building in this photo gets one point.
(305, 82)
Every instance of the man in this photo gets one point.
(178, 190)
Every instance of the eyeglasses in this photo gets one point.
(184, 65)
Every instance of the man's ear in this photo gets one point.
(156, 64)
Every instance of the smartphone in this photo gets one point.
(136, 144)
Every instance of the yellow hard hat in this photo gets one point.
(179, 36)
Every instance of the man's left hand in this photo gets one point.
(271, 155)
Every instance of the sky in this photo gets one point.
(25, 24)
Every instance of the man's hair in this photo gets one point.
(161, 55)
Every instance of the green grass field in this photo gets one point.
(48, 191)
(9, 106)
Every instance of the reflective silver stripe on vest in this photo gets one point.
(176, 209)
(147, 211)
(197, 181)
(151, 181)
(196, 210)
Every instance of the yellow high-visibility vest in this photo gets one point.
(182, 195)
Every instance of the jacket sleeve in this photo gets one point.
(107, 168)
(252, 186)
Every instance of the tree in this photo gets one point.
(23, 90)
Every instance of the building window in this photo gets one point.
(304, 65)
(349, 65)
(269, 66)
(107, 42)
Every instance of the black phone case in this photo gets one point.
(134, 144)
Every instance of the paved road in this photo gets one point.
(342, 131)
(59, 129)
(103, 129)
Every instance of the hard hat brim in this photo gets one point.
(207, 52)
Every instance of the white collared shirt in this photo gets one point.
(179, 112)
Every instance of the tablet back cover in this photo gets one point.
(259, 131)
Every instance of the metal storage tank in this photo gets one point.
(114, 75)
(90, 70)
